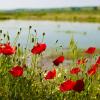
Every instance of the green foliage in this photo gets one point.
(73, 48)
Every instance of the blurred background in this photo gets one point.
(59, 19)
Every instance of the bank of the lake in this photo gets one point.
(73, 14)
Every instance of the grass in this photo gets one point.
(87, 15)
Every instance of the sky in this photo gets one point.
(18, 4)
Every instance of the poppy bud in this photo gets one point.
(35, 30)
(18, 44)
(43, 34)
(17, 59)
(20, 29)
(56, 41)
(61, 46)
(45, 71)
(19, 62)
(0, 31)
(30, 27)
(18, 33)
(4, 35)
(64, 77)
(40, 74)
(8, 37)
(32, 39)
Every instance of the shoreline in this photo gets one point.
(71, 16)
(58, 20)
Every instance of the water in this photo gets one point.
(85, 34)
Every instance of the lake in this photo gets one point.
(85, 34)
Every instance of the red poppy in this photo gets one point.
(90, 50)
(98, 60)
(79, 85)
(67, 85)
(82, 61)
(51, 74)
(0, 50)
(58, 60)
(92, 70)
(39, 48)
(1, 47)
(75, 70)
(16, 71)
(8, 50)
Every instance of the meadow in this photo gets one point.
(23, 78)
(85, 14)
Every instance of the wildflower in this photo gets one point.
(79, 85)
(92, 70)
(82, 61)
(1, 48)
(67, 85)
(16, 71)
(75, 70)
(39, 48)
(51, 74)
(90, 50)
(7, 49)
(58, 60)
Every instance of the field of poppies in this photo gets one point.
(22, 78)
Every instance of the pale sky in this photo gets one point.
(16, 4)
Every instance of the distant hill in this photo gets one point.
(53, 9)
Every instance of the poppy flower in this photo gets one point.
(38, 48)
(75, 70)
(1, 47)
(51, 74)
(67, 85)
(79, 85)
(82, 61)
(8, 50)
(90, 50)
(92, 70)
(16, 71)
(0, 50)
(98, 60)
(58, 60)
